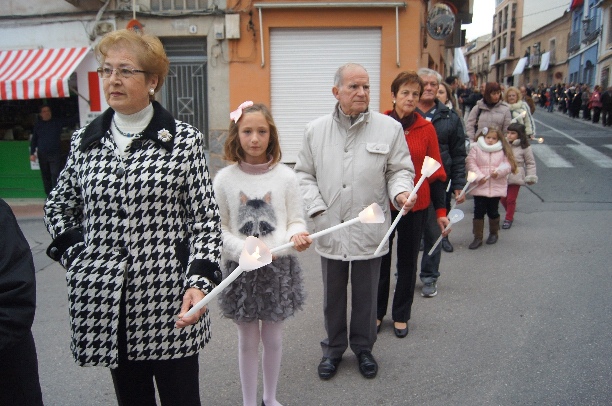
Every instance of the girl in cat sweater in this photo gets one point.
(259, 196)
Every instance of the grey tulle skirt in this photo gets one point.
(271, 293)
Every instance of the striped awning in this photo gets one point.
(38, 73)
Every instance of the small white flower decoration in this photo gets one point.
(164, 135)
(485, 131)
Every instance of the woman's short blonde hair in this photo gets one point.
(515, 90)
(148, 50)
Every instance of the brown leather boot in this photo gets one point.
(478, 230)
(493, 230)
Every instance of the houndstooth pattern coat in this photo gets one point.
(146, 225)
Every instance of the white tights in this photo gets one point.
(249, 335)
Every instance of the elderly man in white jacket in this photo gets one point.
(350, 159)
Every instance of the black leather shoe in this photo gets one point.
(367, 364)
(328, 367)
(446, 245)
(400, 332)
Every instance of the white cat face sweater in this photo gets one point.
(266, 205)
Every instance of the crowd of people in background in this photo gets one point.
(577, 100)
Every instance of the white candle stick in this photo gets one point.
(503, 166)
(454, 216)
(522, 115)
(372, 214)
(470, 178)
(430, 165)
(256, 254)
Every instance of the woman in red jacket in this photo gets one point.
(422, 141)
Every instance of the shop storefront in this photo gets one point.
(30, 79)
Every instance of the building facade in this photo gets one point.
(583, 41)
(477, 56)
(545, 54)
(222, 52)
(605, 49)
(506, 32)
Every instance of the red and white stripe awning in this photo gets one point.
(38, 73)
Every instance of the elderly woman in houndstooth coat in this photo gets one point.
(135, 223)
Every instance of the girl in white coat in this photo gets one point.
(526, 165)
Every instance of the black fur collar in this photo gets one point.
(162, 119)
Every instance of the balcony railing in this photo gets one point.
(573, 41)
(591, 29)
(552, 59)
(534, 59)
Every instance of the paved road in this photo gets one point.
(524, 322)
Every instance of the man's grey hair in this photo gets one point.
(429, 72)
(339, 76)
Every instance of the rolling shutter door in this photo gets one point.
(303, 63)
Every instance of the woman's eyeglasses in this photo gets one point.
(106, 73)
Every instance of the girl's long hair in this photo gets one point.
(232, 150)
(506, 147)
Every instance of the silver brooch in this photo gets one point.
(164, 135)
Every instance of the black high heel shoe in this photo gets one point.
(400, 332)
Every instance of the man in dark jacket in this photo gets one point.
(46, 145)
(451, 140)
(19, 384)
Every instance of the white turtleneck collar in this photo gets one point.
(130, 123)
(489, 148)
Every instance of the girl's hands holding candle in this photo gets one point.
(301, 241)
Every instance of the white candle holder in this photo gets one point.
(256, 254)
(454, 216)
(503, 166)
(471, 177)
(430, 165)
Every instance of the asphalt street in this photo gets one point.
(523, 322)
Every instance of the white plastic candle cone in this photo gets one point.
(454, 216)
(430, 165)
(370, 215)
(255, 254)
(471, 177)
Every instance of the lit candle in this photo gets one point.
(372, 214)
(454, 216)
(430, 165)
(470, 178)
(254, 255)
